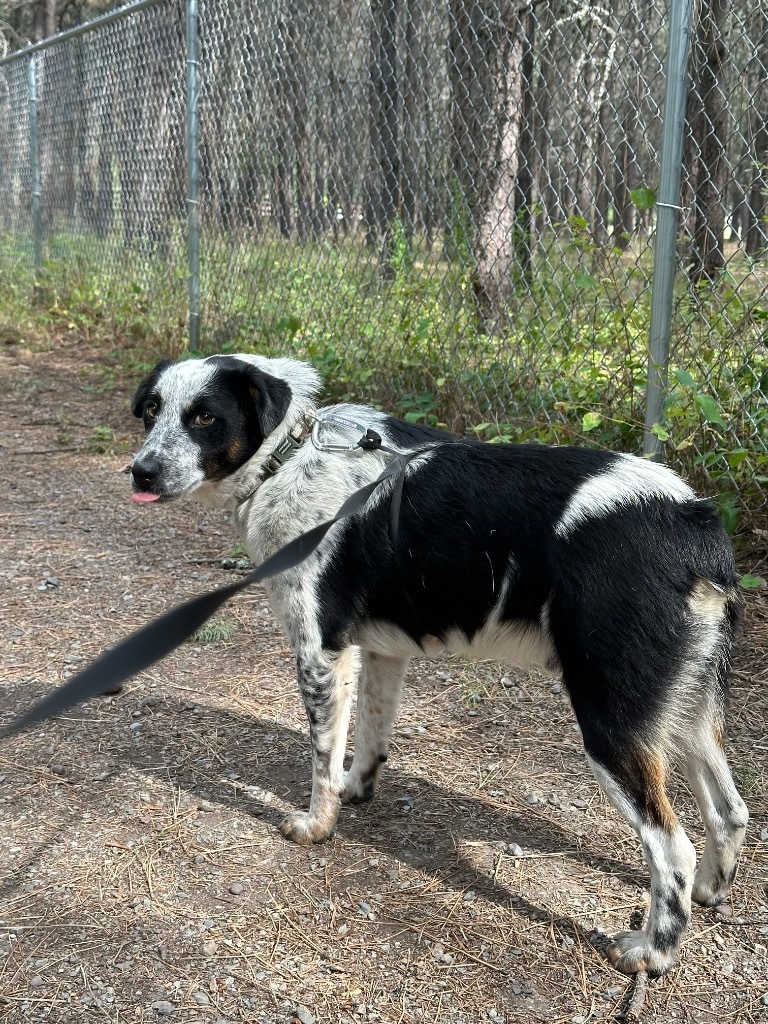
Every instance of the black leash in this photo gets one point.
(153, 642)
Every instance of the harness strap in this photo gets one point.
(154, 641)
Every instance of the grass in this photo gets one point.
(566, 359)
(216, 630)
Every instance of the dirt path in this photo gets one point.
(142, 871)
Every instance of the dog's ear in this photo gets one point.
(271, 398)
(137, 405)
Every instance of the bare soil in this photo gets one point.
(143, 875)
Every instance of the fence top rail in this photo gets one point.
(79, 30)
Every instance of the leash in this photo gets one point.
(154, 641)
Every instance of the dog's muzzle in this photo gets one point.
(145, 472)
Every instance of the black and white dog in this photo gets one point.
(604, 567)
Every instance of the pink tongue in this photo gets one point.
(144, 496)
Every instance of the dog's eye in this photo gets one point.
(150, 410)
(203, 419)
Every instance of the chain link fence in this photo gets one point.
(448, 206)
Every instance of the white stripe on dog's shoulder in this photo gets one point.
(628, 481)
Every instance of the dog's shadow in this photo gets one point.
(414, 821)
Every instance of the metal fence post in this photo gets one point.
(667, 208)
(34, 161)
(193, 174)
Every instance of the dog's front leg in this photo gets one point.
(325, 680)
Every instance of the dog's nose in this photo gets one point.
(146, 470)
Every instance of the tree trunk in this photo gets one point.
(527, 156)
(627, 173)
(296, 87)
(414, 103)
(486, 47)
(43, 19)
(757, 195)
(707, 115)
(602, 175)
(385, 176)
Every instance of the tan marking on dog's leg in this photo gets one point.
(671, 859)
(653, 771)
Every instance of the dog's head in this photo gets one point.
(208, 419)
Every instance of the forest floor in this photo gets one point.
(143, 873)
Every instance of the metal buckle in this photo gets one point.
(323, 446)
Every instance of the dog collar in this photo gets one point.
(284, 451)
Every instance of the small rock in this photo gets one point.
(470, 896)
(199, 858)
(201, 998)
(206, 805)
(137, 726)
(58, 769)
(724, 910)
(305, 1015)
(581, 804)
(236, 888)
(555, 688)
(227, 563)
(764, 999)
(163, 1007)
(514, 850)
(506, 682)
(531, 798)
(210, 947)
(52, 581)
(36, 982)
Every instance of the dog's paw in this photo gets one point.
(630, 952)
(710, 887)
(357, 790)
(304, 830)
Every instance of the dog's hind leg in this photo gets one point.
(724, 813)
(633, 781)
(378, 698)
(325, 680)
